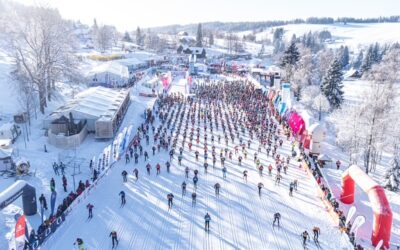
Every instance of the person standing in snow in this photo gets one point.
(316, 232)
(90, 209)
(207, 219)
(291, 187)
(195, 179)
(123, 201)
(260, 186)
(245, 175)
(217, 186)
(183, 188)
(79, 242)
(194, 195)
(64, 183)
(277, 218)
(52, 185)
(224, 170)
(305, 236)
(170, 198)
(124, 176)
(114, 238)
(43, 201)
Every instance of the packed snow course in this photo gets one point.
(240, 219)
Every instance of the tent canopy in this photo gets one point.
(324, 157)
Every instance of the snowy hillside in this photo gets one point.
(350, 34)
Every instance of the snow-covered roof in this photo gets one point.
(112, 67)
(131, 61)
(5, 153)
(93, 103)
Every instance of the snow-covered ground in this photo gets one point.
(240, 219)
(41, 162)
(351, 34)
(353, 94)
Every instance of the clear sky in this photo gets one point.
(128, 14)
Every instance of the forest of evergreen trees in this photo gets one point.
(243, 26)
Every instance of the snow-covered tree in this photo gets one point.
(332, 84)
(344, 56)
(104, 38)
(323, 60)
(358, 60)
(289, 60)
(127, 37)
(211, 39)
(277, 41)
(321, 104)
(199, 36)
(314, 100)
(139, 36)
(42, 47)
(366, 129)
(368, 60)
(304, 74)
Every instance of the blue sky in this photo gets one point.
(128, 14)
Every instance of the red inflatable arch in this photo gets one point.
(382, 221)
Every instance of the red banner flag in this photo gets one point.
(20, 229)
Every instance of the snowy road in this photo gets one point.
(240, 218)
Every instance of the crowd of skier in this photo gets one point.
(182, 125)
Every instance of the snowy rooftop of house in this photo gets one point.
(93, 103)
(109, 67)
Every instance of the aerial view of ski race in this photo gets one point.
(199, 125)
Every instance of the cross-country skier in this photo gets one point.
(245, 175)
(170, 198)
(224, 172)
(148, 167)
(80, 244)
(278, 179)
(260, 186)
(277, 218)
(43, 201)
(52, 185)
(146, 155)
(183, 188)
(295, 183)
(194, 195)
(207, 219)
(217, 186)
(122, 194)
(305, 236)
(291, 187)
(187, 172)
(158, 168)
(195, 180)
(114, 238)
(168, 165)
(316, 232)
(64, 183)
(136, 173)
(124, 174)
(90, 208)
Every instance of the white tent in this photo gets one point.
(318, 134)
(109, 74)
(91, 105)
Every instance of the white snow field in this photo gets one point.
(240, 218)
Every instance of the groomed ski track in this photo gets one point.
(240, 218)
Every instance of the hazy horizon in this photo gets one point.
(127, 14)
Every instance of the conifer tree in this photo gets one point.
(332, 84)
